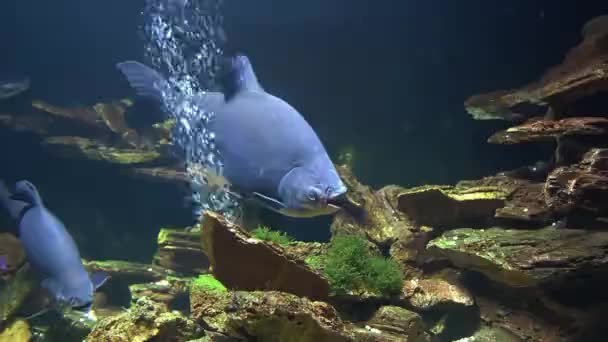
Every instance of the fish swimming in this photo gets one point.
(269, 151)
(50, 249)
(13, 85)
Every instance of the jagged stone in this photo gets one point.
(396, 324)
(439, 291)
(523, 258)
(387, 227)
(582, 186)
(264, 315)
(244, 263)
(12, 254)
(525, 202)
(14, 292)
(180, 250)
(583, 72)
(146, 320)
(159, 174)
(18, 331)
(536, 130)
(490, 334)
(447, 206)
(170, 292)
(84, 148)
(128, 272)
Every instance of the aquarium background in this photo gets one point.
(385, 79)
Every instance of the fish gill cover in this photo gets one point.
(183, 41)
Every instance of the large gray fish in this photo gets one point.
(270, 153)
(12, 85)
(50, 249)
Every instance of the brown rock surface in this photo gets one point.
(583, 72)
(180, 250)
(581, 186)
(244, 263)
(546, 130)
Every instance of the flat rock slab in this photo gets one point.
(523, 258)
(241, 262)
(547, 130)
(447, 206)
(180, 250)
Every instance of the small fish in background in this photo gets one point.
(50, 250)
(12, 85)
(271, 155)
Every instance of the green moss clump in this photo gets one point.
(207, 282)
(350, 267)
(264, 233)
(315, 262)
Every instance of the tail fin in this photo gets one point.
(146, 81)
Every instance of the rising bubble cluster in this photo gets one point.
(183, 41)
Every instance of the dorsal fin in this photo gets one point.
(245, 78)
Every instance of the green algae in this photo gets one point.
(266, 234)
(207, 282)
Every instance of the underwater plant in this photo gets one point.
(351, 267)
(264, 233)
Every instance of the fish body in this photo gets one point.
(13, 85)
(269, 151)
(50, 249)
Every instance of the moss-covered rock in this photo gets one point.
(18, 331)
(84, 148)
(525, 257)
(489, 334)
(438, 291)
(398, 324)
(180, 250)
(242, 262)
(447, 206)
(171, 292)
(15, 291)
(146, 320)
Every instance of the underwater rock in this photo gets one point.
(180, 250)
(113, 115)
(244, 263)
(146, 320)
(170, 292)
(389, 229)
(15, 291)
(264, 315)
(536, 130)
(18, 331)
(84, 148)
(525, 201)
(392, 323)
(439, 291)
(159, 174)
(81, 114)
(12, 254)
(491, 334)
(583, 72)
(447, 206)
(127, 271)
(384, 224)
(523, 258)
(581, 186)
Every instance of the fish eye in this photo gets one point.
(312, 194)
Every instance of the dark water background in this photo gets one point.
(388, 78)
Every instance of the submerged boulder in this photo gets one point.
(439, 291)
(263, 315)
(180, 250)
(18, 331)
(245, 263)
(538, 130)
(146, 320)
(523, 258)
